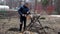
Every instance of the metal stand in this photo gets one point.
(35, 19)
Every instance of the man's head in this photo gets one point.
(27, 4)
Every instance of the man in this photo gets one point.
(23, 12)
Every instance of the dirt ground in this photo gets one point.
(11, 26)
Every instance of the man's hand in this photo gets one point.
(25, 15)
(28, 12)
(22, 14)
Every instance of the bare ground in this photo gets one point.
(12, 26)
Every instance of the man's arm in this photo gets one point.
(19, 11)
(28, 12)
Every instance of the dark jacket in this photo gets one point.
(23, 10)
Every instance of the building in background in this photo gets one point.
(51, 7)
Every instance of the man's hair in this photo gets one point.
(26, 3)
